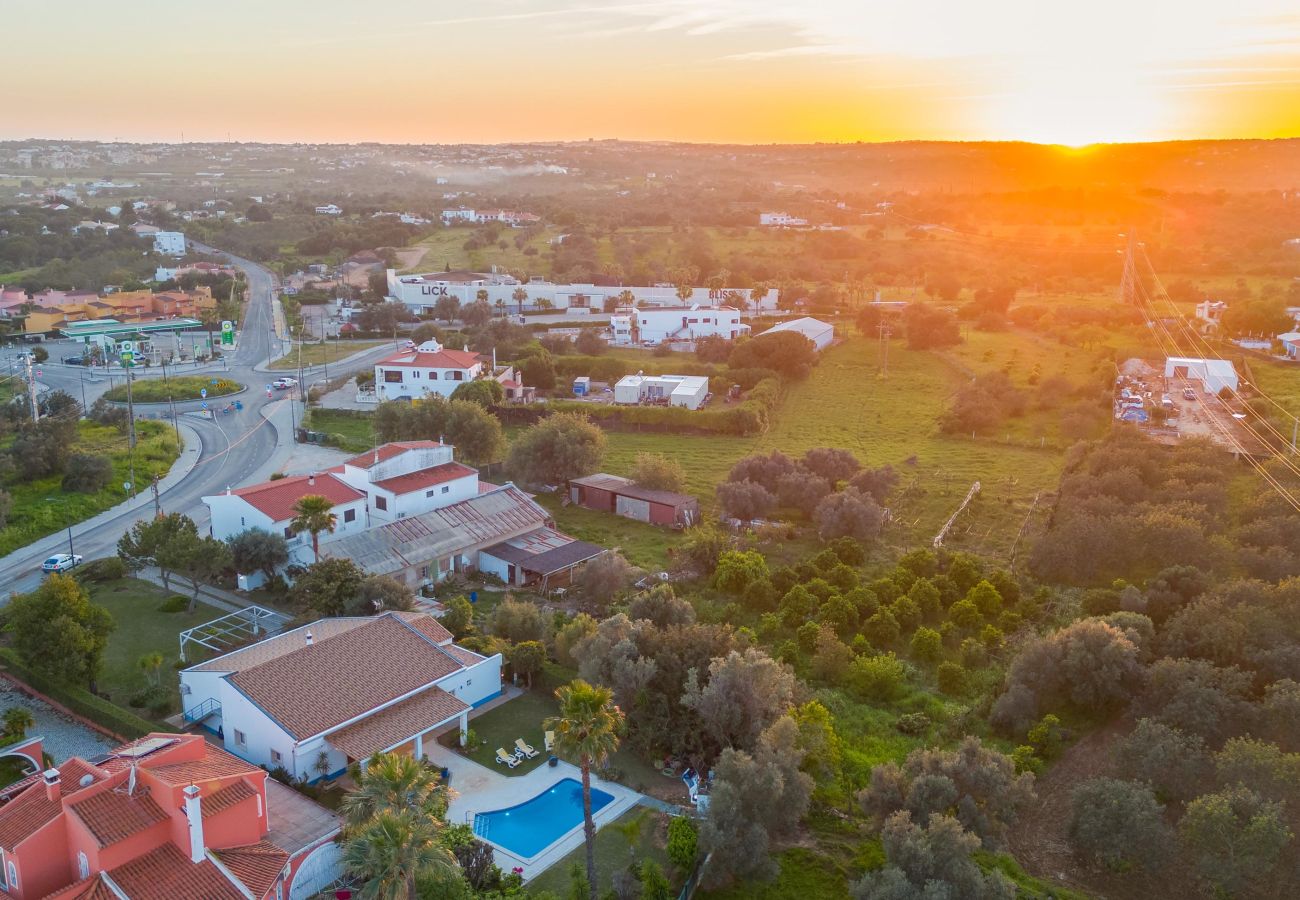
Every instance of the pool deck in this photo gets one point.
(477, 789)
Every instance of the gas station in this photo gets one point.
(109, 334)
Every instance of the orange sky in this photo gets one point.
(707, 70)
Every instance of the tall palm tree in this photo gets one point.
(393, 852)
(587, 729)
(17, 719)
(314, 513)
(393, 783)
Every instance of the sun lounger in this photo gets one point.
(507, 758)
(525, 749)
(550, 741)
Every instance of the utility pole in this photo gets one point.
(1128, 282)
(157, 500)
(31, 387)
(130, 418)
(885, 333)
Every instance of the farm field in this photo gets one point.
(1281, 381)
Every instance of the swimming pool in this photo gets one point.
(529, 828)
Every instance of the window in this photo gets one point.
(381, 502)
(391, 377)
(83, 865)
(241, 521)
(456, 376)
(13, 874)
(446, 488)
(288, 531)
(349, 515)
(433, 376)
(430, 493)
(240, 738)
(185, 689)
(276, 757)
(415, 374)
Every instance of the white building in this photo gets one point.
(396, 480)
(482, 216)
(318, 698)
(425, 370)
(819, 332)
(1209, 315)
(781, 220)
(420, 293)
(1213, 374)
(647, 325)
(170, 243)
(329, 210)
(689, 391)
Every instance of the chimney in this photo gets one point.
(51, 777)
(194, 815)
(310, 640)
(311, 479)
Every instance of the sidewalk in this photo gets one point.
(213, 596)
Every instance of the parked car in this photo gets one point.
(60, 562)
(74, 360)
(283, 384)
(1189, 394)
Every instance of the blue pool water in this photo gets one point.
(529, 828)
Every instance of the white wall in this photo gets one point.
(493, 566)
(476, 682)
(417, 383)
(415, 503)
(261, 733)
(231, 514)
(171, 243)
(203, 686)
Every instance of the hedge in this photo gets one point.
(125, 725)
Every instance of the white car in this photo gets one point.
(283, 384)
(60, 562)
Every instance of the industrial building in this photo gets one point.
(690, 391)
(822, 334)
(1213, 374)
(421, 293)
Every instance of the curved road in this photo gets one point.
(235, 449)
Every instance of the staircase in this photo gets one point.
(207, 708)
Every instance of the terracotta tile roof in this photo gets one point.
(227, 797)
(427, 625)
(91, 889)
(317, 687)
(388, 451)
(277, 646)
(467, 657)
(111, 816)
(168, 874)
(216, 763)
(425, 478)
(257, 866)
(276, 498)
(396, 723)
(443, 359)
(31, 809)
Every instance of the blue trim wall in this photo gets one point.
(486, 699)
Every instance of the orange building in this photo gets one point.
(169, 815)
(124, 306)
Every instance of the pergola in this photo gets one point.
(234, 630)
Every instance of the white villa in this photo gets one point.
(425, 370)
(320, 697)
(391, 482)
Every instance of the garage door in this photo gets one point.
(318, 871)
(633, 509)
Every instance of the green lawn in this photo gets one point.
(643, 545)
(329, 352)
(41, 507)
(636, 835)
(176, 387)
(346, 431)
(520, 718)
(142, 628)
(803, 876)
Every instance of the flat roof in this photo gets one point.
(102, 326)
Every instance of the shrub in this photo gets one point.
(737, 569)
(745, 499)
(913, 723)
(877, 677)
(174, 604)
(98, 571)
(927, 645)
(951, 678)
(1120, 824)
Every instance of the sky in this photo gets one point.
(744, 71)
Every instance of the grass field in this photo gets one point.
(318, 354)
(349, 433)
(636, 835)
(1281, 381)
(176, 387)
(142, 628)
(42, 507)
(642, 545)
(520, 718)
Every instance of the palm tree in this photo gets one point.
(587, 728)
(520, 296)
(314, 513)
(17, 719)
(390, 784)
(395, 851)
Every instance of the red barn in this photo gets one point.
(621, 496)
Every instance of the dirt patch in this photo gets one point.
(1040, 840)
(409, 257)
